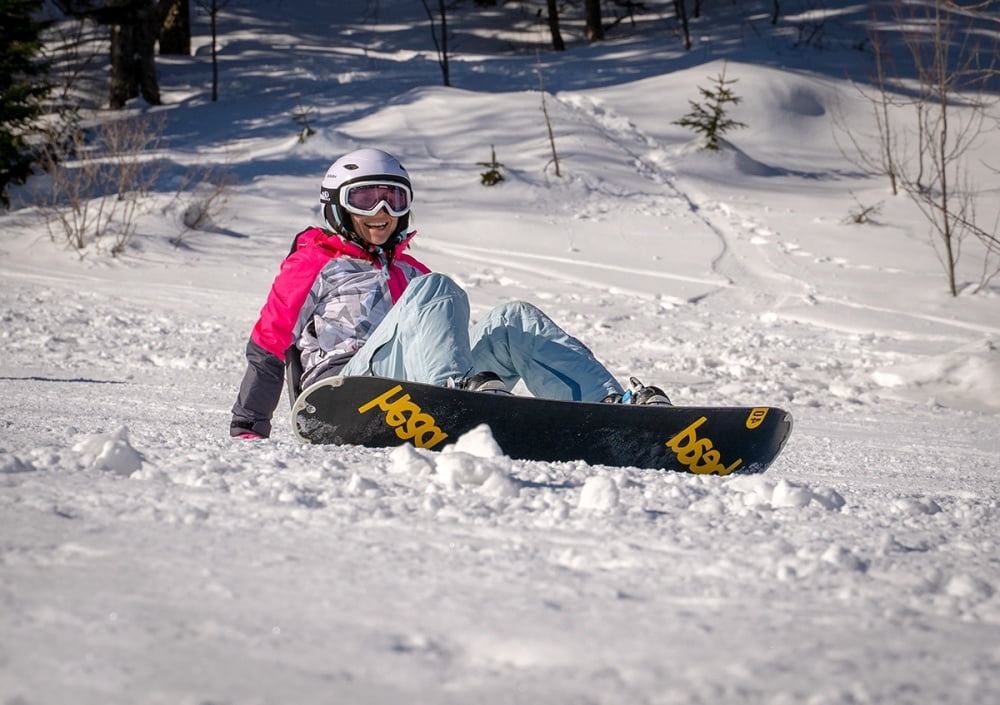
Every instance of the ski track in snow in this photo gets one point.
(751, 259)
(735, 262)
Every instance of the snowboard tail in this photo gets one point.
(378, 412)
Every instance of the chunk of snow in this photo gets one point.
(599, 493)
(10, 464)
(407, 460)
(111, 452)
(478, 442)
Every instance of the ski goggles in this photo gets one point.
(369, 197)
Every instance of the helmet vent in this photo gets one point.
(352, 167)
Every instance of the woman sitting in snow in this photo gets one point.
(349, 301)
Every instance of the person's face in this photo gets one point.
(375, 229)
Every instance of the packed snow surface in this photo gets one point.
(145, 557)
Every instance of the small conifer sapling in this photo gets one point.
(492, 175)
(709, 118)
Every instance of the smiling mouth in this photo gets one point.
(381, 225)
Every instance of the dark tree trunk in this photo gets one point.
(123, 81)
(147, 28)
(592, 11)
(680, 6)
(441, 45)
(134, 27)
(215, 53)
(557, 41)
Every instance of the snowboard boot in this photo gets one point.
(639, 393)
(483, 382)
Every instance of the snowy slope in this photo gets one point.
(147, 558)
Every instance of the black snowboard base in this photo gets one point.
(378, 412)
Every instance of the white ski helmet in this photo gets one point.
(371, 165)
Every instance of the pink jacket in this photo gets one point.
(328, 297)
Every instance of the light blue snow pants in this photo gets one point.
(426, 338)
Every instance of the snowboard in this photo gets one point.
(378, 412)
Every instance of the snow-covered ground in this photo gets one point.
(147, 558)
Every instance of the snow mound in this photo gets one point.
(728, 159)
(478, 442)
(805, 101)
(762, 493)
(475, 461)
(407, 460)
(110, 452)
(599, 493)
(10, 464)
(969, 374)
